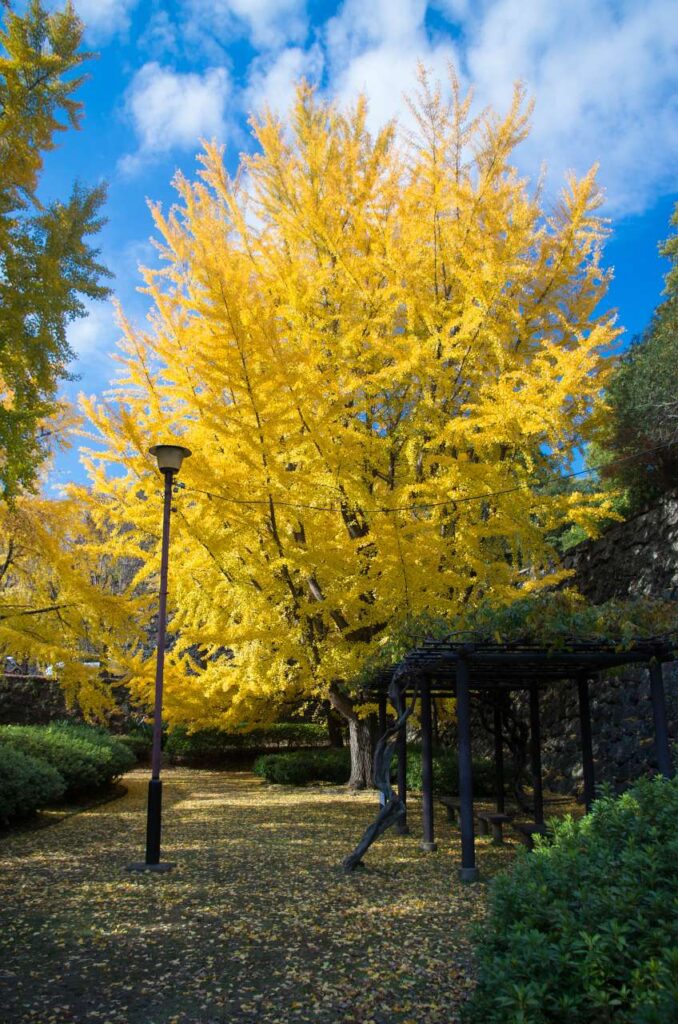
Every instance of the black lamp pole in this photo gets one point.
(169, 459)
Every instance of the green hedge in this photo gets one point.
(26, 784)
(446, 775)
(85, 757)
(301, 766)
(213, 746)
(139, 742)
(585, 930)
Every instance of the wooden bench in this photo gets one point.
(451, 805)
(527, 830)
(488, 821)
(492, 821)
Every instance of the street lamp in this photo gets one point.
(170, 458)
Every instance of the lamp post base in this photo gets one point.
(468, 874)
(153, 821)
(143, 866)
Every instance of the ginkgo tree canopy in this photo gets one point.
(61, 612)
(378, 349)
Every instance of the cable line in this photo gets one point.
(385, 510)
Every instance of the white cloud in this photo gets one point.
(94, 334)
(603, 74)
(362, 24)
(160, 36)
(374, 48)
(272, 83)
(387, 74)
(171, 110)
(268, 24)
(103, 18)
(604, 79)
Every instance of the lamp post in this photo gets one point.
(170, 458)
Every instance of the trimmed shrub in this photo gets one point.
(585, 930)
(85, 757)
(446, 773)
(301, 766)
(139, 743)
(213, 746)
(26, 784)
(115, 753)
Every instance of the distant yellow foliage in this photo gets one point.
(380, 349)
(60, 607)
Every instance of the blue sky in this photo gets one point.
(603, 75)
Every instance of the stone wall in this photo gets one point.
(622, 727)
(636, 558)
(32, 701)
(37, 700)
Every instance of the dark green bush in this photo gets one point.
(445, 773)
(213, 746)
(117, 755)
(26, 784)
(301, 766)
(85, 757)
(585, 930)
(140, 743)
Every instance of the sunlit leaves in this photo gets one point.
(378, 350)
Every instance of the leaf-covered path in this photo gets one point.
(256, 924)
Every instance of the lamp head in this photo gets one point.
(169, 456)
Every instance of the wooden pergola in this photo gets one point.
(461, 669)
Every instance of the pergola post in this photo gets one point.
(401, 827)
(499, 756)
(661, 728)
(535, 751)
(468, 871)
(381, 729)
(586, 741)
(428, 841)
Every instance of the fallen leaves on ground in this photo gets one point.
(257, 922)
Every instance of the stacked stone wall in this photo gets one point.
(636, 558)
(32, 701)
(38, 700)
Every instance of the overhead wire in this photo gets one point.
(464, 499)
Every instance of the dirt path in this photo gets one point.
(256, 924)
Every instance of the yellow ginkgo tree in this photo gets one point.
(62, 613)
(379, 349)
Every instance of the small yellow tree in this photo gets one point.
(60, 609)
(377, 349)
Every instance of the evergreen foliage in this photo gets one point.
(585, 930)
(299, 767)
(446, 773)
(84, 757)
(26, 783)
(47, 266)
(643, 399)
(214, 746)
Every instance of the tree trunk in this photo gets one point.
(362, 733)
(334, 730)
(362, 738)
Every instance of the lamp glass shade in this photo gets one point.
(169, 456)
